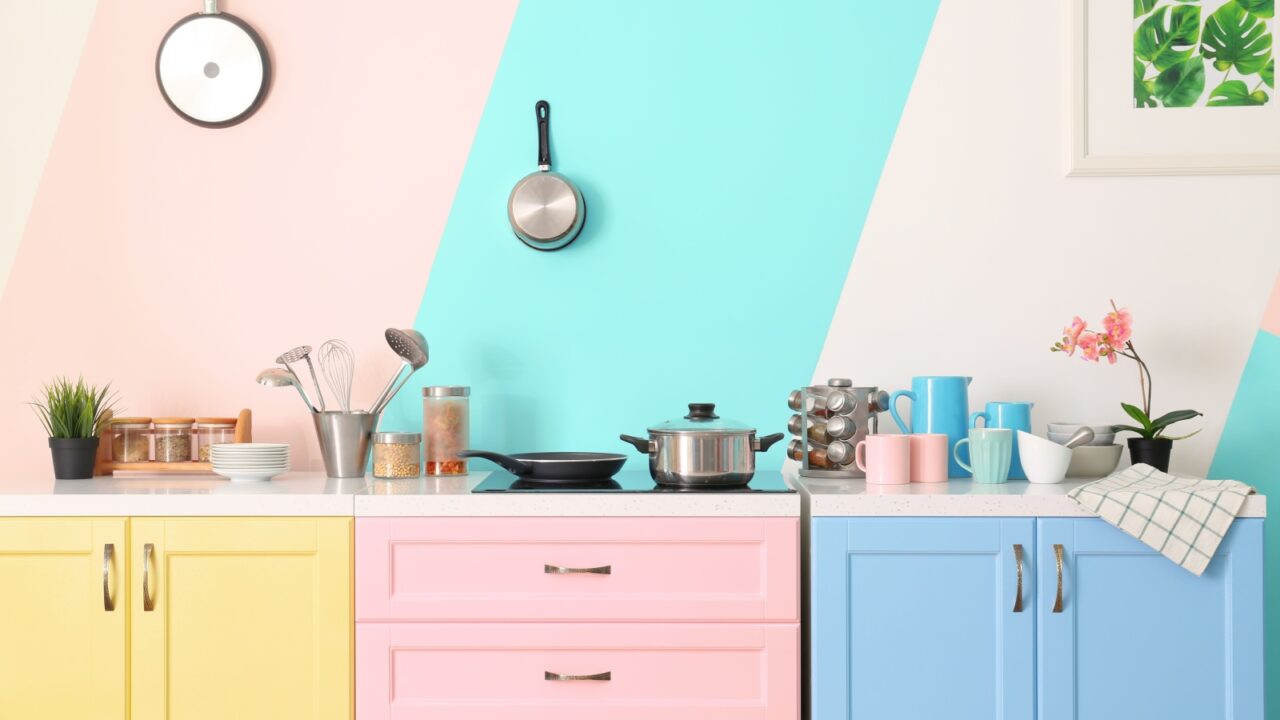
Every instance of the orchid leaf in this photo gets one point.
(1136, 413)
(1176, 416)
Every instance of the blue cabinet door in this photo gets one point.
(1138, 637)
(914, 619)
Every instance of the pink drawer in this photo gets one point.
(500, 671)
(658, 569)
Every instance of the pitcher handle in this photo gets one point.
(893, 408)
(955, 453)
(973, 419)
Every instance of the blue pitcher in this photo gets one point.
(939, 404)
(1010, 415)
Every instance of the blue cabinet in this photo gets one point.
(918, 618)
(1136, 636)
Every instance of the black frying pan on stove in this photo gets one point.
(553, 466)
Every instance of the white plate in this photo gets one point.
(251, 466)
(251, 446)
(247, 476)
(251, 453)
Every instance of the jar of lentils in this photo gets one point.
(173, 439)
(397, 455)
(131, 439)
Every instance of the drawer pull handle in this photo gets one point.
(108, 559)
(1057, 554)
(148, 599)
(557, 677)
(1017, 599)
(558, 570)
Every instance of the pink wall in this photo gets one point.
(177, 261)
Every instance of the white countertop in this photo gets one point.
(1016, 498)
(313, 494)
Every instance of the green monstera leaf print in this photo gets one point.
(1144, 91)
(1142, 7)
(1169, 36)
(1268, 74)
(1259, 8)
(1234, 38)
(1181, 85)
(1234, 93)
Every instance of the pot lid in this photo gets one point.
(702, 418)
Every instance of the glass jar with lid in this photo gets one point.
(213, 431)
(446, 418)
(397, 455)
(173, 439)
(131, 439)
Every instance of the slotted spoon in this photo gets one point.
(411, 346)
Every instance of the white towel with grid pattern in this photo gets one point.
(1183, 519)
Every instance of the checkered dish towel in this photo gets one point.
(1184, 519)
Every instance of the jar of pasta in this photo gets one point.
(446, 417)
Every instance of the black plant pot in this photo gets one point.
(73, 458)
(1153, 452)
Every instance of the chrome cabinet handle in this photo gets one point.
(558, 570)
(148, 601)
(108, 559)
(1057, 554)
(1017, 599)
(557, 677)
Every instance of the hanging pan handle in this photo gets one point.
(543, 111)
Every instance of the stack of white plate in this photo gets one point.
(250, 462)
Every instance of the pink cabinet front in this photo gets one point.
(577, 569)
(577, 671)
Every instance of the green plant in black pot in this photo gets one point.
(74, 414)
(1152, 446)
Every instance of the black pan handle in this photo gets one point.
(641, 444)
(508, 463)
(766, 442)
(543, 111)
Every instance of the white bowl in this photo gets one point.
(1094, 461)
(1044, 461)
(1062, 432)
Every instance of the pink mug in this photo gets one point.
(929, 457)
(886, 459)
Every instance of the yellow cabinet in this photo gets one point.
(63, 618)
(246, 618)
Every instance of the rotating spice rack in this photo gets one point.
(106, 466)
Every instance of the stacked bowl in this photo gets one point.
(1099, 458)
(249, 462)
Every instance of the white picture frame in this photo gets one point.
(1085, 157)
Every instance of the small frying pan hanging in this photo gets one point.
(546, 209)
(212, 68)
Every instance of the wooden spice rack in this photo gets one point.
(106, 466)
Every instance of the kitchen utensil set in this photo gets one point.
(249, 462)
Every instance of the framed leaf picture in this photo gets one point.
(1172, 87)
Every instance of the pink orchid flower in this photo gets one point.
(1088, 344)
(1119, 325)
(1071, 335)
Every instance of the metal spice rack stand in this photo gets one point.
(106, 466)
(829, 422)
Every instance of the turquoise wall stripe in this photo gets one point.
(728, 153)
(1248, 451)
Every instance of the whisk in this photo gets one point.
(338, 365)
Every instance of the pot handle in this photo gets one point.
(763, 444)
(543, 110)
(641, 444)
(507, 462)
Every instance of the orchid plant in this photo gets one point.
(1114, 342)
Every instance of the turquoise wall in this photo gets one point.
(1249, 452)
(728, 159)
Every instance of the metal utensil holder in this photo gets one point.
(345, 441)
(829, 422)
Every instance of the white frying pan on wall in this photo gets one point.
(213, 68)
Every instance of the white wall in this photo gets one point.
(978, 249)
(40, 44)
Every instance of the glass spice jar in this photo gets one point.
(397, 455)
(213, 431)
(173, 439)
(446, 418)
(131, 440)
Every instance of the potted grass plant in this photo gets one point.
(74, 414)
(1151, 446)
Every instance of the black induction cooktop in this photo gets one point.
(628, 481)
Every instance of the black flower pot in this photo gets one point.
(1152, 451)
(73, 458)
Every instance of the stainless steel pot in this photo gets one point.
(702, 449)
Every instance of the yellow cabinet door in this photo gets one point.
(245, 618)
(63, 617)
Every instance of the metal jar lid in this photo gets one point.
(702, 420)
(840, 382)
(436, 391)
(397, 438)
